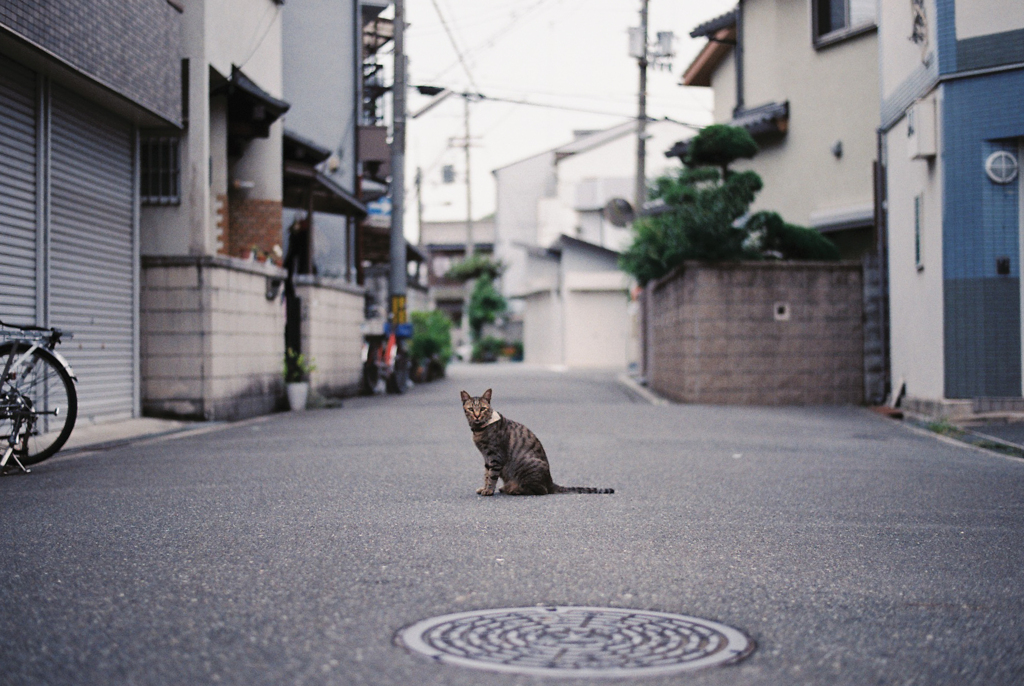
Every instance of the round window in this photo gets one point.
(1001, 166)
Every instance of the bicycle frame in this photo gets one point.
(23, 354)
(24, 419)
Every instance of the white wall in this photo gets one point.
(597, 323)
(982, 17)
(319, 74)
(542, 327)
(916, 301)
(898, 55)
(519, 187)
(834, 96)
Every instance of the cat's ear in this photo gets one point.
(487, 395)
(465, 396)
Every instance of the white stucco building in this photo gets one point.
(802, 77)
(561, 252)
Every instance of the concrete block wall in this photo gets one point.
(332, 312)
(212, 345)
(718, 336)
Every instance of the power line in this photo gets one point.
(455, 45)
(490, 41)
(480, 97)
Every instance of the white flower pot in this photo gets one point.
(297, 395)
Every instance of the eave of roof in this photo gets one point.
(772, 118)
(328, 195)
(711, 55)
(302, 149)
(240, 82)
(713, 26)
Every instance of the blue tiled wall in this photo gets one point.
(945, 26)
(981, 223)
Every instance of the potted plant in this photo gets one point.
(296, 378)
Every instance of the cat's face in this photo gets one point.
(478, 410)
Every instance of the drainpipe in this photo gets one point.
(739, 59)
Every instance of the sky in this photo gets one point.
(564, 53)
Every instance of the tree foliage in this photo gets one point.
(486, 304)
(475, 267)
(776, 238)
(703, 211)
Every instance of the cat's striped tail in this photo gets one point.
(582, 489)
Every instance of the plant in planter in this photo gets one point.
(431, 344)
(297, 369)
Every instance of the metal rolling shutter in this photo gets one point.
(18, 142)
(92, 270)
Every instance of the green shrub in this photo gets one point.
(786, 241)
(431, 336)
(703, 206)
(487, 349)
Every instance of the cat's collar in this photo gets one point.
(495, 418)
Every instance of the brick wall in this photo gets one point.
(212, 345)
(251, 223)
(332, 313)
(718, 335)
(133, 47)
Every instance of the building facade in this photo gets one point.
(802, 78)
(78, 90)
(549, 207)
(952, 78)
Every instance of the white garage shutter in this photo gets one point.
(18, 141)
(92, 264)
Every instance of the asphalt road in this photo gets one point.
(291, 550)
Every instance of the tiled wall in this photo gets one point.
(331, 315)
(981, 224)
(132, 47)
(717, 339)
(212, 344)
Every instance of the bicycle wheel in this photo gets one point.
(370, 378)
(44, 386)
(398, 380)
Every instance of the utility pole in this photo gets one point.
(470, 248)
(397, 281)
(419, 202)
(640, 195)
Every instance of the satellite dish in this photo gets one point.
(618, 211)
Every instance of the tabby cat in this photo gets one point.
(512, 452)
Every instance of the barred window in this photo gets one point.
(160, 171)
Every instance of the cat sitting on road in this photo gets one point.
(512, 452)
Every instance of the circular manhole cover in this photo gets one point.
(577, 641)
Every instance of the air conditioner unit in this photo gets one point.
(922, 138)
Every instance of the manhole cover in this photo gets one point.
(577, 641)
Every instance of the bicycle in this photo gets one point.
(38, 400)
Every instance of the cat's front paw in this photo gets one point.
(483, 490)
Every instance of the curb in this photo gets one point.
(645, 393)
(142, 439)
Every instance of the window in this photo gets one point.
(918, 256)
(160, 171)
(835, 20)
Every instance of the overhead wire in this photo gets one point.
(455, 45)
